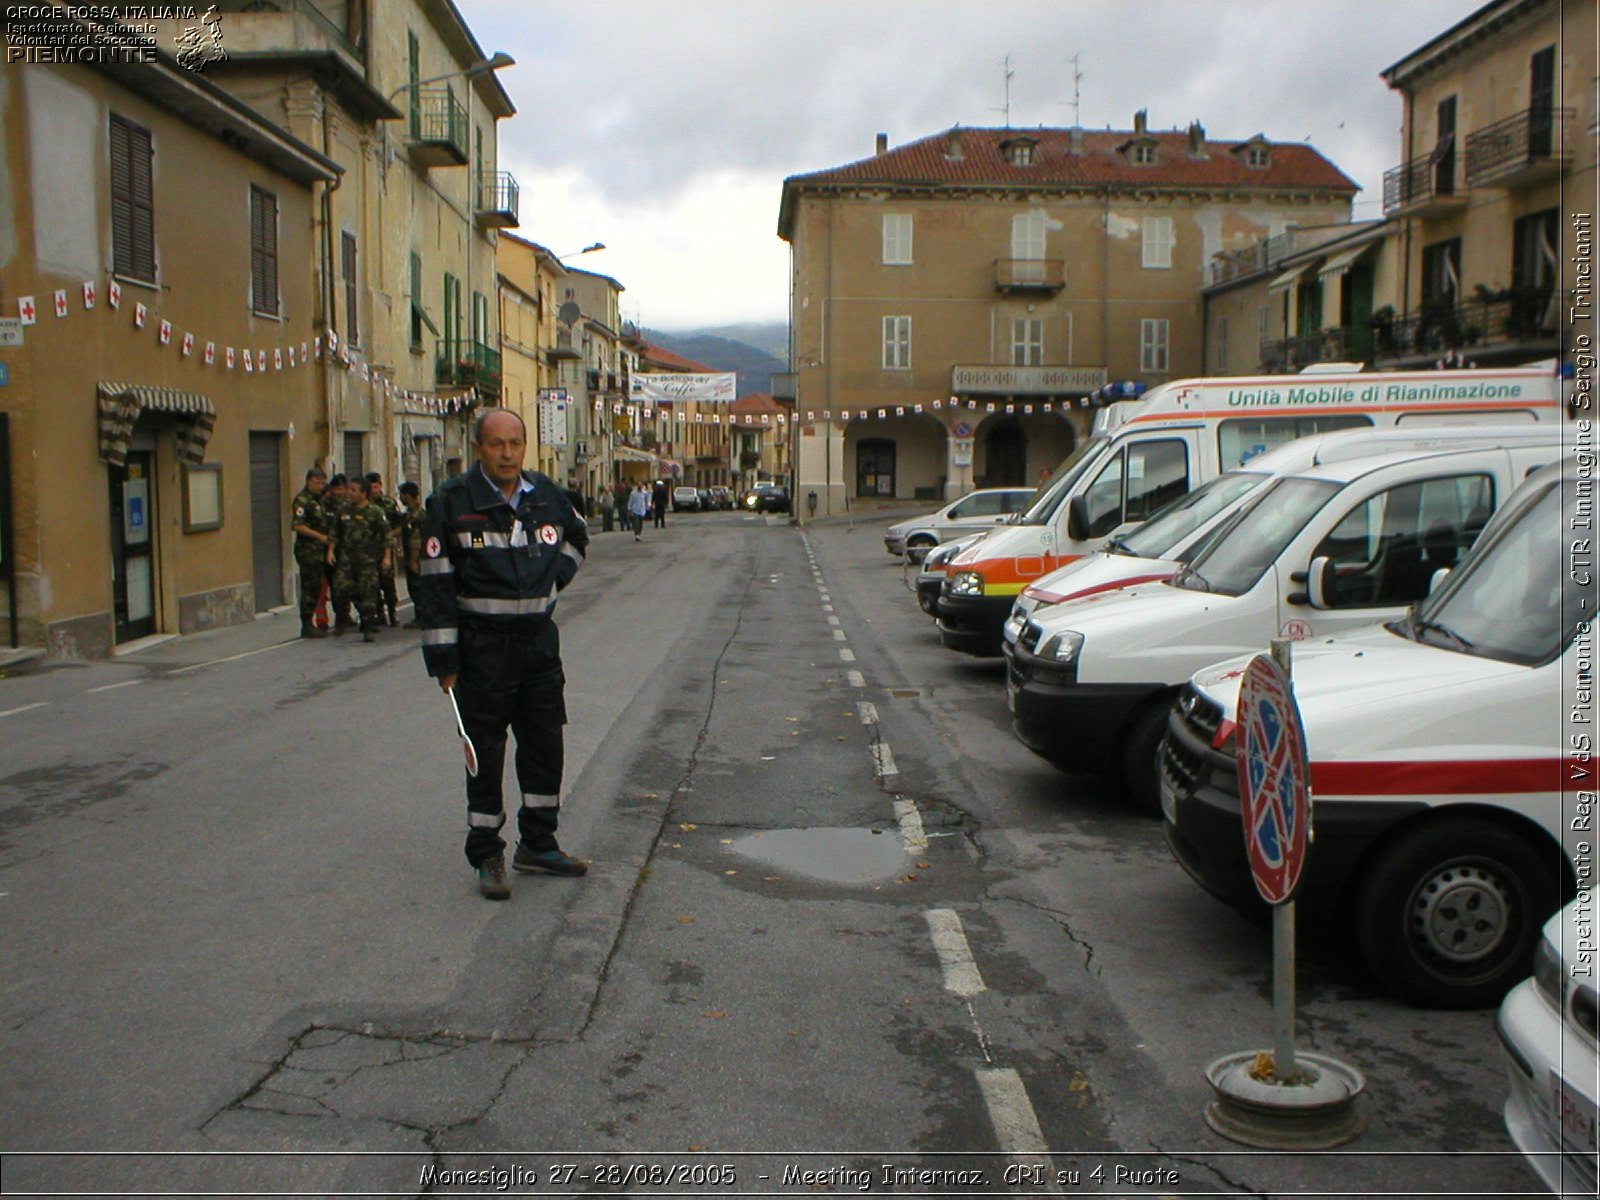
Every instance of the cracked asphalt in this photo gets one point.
(239, 931)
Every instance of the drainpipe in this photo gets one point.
(326, 294)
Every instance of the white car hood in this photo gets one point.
(1096, 573)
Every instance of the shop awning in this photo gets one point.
(1288, 278)
(629, 454)
(1345, 259)
(122, 404)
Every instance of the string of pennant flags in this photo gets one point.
(953, 404)
(210, 353)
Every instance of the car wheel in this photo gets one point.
(917, 548)
(1141, 769)
(1450, 913)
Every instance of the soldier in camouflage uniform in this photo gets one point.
(334, 502)
(361, 549)
(391, 510)
(309, 520)
(411, 543)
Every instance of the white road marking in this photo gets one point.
(827, 608)
(855, 679)
(955, 957)
(833, 620)
(11, 712)
(911, 831)
(868, 711)
(839, 635)
(106, 687)
(1016, 1127)
(233, 657)
(884, 759)
(847, 656)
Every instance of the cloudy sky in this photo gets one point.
(666, 130)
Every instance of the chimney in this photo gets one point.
(952, 144)
(883, 144)
(1197, 140)
(1139, 119)
(1075, 141)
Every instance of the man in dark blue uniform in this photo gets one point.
(498, 544)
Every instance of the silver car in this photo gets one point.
(975, 510)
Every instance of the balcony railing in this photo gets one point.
(1531, 145)
(438, 129)
(1013, 275)
(462, 363)
(1326, 345)
(497, 199)
(1422, 184)
(1525, 317)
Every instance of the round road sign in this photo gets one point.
(1274, 780)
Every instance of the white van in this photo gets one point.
(1148, 452)
(1156, 550)
(1316, 553)
(1448, 824)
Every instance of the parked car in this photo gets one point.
(705, 499)
(931, 578)
(721, 497)
(985, 507)
(773, 500)
(685, 499)
(1548, 1028)
(1447, 828)
(754, 494)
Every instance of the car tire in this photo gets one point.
(1141, 755)
(1449, 914)
(917, 547)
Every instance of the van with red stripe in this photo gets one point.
(1452, 759)
(1146, 453)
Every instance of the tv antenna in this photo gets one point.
(1006, 67)
(1077, 97)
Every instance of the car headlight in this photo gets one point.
(1548, 976)
(1063, 647)
(966, 583)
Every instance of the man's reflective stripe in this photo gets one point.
(482, 539)
(436, 566)
(573, 553)
(503, 608)
(480, 820)
(438, 637)
(540, 801)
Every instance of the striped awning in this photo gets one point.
(629, 454)
(1345, 259)
(121, 405)
(1288, 278)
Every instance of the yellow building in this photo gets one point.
(531, 280)
(159, 404)
(961, 295)
(688, 440)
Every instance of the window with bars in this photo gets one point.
(263, 252)
(1027, 342)
(413, 75)
(897, 239)
(1157, 238)
(133, 229)
(347, 271)
(897, 343)
(1153, 344)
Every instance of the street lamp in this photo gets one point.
(590, 249)
(500, 59)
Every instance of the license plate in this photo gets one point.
(1574, 1116)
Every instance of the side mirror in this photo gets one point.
(1078, 518)
(1322, 582)
(1437, 578)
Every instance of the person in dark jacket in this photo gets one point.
(658, 503)
(499, 543)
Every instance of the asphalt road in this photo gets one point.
(839, 921)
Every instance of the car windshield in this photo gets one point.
(1513, 600)
(1239, 552)
(1160, 535)
(1047, 499)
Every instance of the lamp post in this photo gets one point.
(589, 249)
(483, 66)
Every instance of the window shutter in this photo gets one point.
(347, 267)
(263, 251)
(133, 246)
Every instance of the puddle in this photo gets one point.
(835, 855)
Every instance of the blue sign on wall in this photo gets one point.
(5, 374)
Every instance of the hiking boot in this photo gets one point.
(393, 623)
(369, 635)
(492, 883)
(307, 629)
(553, 861)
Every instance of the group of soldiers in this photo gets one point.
(350, 536)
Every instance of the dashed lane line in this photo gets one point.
(855, 679)
(960, 969)
(11, 712)
(233, 657)
(107, 687)
(868, 711)
(839, 635)
(911, 830)
(884, 760)
(847, 655)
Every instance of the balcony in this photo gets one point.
(1423, 187)
(460, 363)
(438, 129)
(1340, 344)
(563, 350)
(1510, 324)
(1528, 148)
(1016, 276)
(496, 204)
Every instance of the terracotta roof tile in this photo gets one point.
(653, 355)
(758, 402)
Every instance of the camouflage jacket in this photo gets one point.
(308, 510)
(361, 533)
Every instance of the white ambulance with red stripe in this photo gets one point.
(1453, 794)
(1148, 452)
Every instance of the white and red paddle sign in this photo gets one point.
(1274, 780)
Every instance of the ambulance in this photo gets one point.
(1452, 760)
(1145, 453)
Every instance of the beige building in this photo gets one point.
(960, 297)
(684, 441)
(160, 403)
(531, 283)
(760, 440)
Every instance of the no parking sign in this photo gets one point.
(1274, 780)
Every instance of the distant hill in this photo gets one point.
(721, 350)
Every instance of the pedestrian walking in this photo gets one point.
(395, 517)
(411, 544)
(499, 544)
(309, 520)
(658, 503)
(338, 500)
(638, 505)
(361, 547)
(575, 498)
(608, 509)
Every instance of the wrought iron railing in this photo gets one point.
(439, 118)
(1533, 136)
(1421, 179)
(1519, 316)
(498, 193)
(463, 363)
(1023, 274)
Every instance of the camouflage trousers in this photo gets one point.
(357, 582)
(311, 567)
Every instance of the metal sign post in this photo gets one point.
(1280, 1100)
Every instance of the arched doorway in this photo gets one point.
(1007, 455)
(875, 467)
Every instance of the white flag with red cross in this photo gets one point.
(88, 293)
(165, 334)
(227, 357)
(188, 344)
(61, 302)
(26, 311)
(114, 294)
(210, 353)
